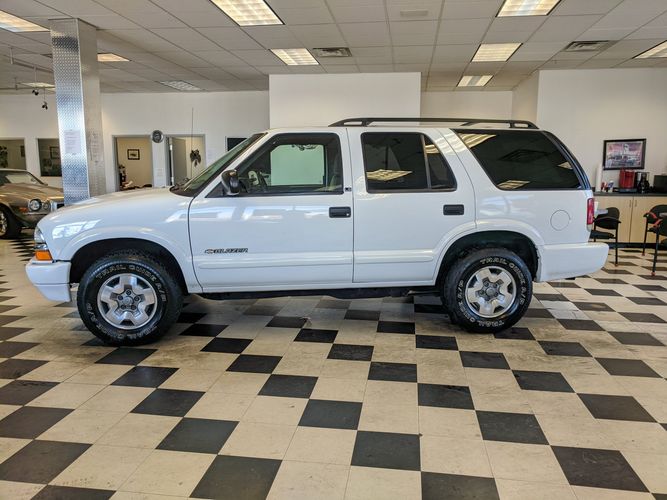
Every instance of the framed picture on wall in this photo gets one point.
(54, 152)
(624, 153)
(133, 154)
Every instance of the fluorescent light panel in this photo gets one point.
(110, 57)
(16, 24)
(657, 51)
(248, 12)
(38, 85)
(180, 85)
(527, 8)
(493, 52)
(474, 81)
(295, 57)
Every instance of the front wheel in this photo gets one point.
(128, 298)
(488, 290)
(9, 226)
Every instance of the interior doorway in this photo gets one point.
(186, 157)
(134, 162)
(12, 153)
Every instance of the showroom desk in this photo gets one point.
(632, 207)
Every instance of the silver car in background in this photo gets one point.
(24, 200)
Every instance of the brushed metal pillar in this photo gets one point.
(74, 45)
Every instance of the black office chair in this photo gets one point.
(609, 221)
(652, 217)
(660, 229)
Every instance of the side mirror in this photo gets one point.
(230, 183)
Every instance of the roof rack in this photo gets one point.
(464, 122)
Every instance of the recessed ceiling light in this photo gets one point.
(180, 85)
(492, 52)
(474, 81)
(295, 57)
(248, 12)
(110, 57)
(527, 7)
(38, 85)
(16, 24)
(657, 51)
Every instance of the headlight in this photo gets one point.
(39, 237)
(34, 205)
(41, 248)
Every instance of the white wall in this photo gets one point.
(466, 104)
(585, 107)
(318, 100)
(524, 100)
(217, 115)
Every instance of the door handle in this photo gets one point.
(340, 212)
(453, 210)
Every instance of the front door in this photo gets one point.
(412, 196)
(291, 225)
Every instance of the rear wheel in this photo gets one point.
(488, 290)
(128, 298)
(9, 226)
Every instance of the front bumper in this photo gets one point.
(50, 278)
(571, 260)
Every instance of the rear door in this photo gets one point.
(412, 195)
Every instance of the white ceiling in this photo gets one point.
(193, 40)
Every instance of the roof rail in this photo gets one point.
(464, 122)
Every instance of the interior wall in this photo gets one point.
(318, 100)
(217, 115)
(467, 104)
(524, 99)
(140, 171)
(585, 107)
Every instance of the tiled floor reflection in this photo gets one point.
(314, 398)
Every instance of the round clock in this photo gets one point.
(157, 136)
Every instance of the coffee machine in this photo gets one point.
(641, 182)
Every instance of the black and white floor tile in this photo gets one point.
(313, 397)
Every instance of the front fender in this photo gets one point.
(178, 247)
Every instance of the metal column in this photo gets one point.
(74, 45)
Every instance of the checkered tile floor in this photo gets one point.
(313, 398)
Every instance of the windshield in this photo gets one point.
(192, 186)
(14, 177)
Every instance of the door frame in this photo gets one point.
(169, 169)
(114, 146)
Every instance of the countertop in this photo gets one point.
(603, 193)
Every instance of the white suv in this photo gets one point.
(366, 207)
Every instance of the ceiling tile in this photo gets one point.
(470, 9)
(537, 51)
(111, 22)
(376, 68)
(413, 54)
(313, 14)
(144, 39)
(77, 8)
(187, 38)
(454, 53)
(579, 7)
(413, 32)
(632, 13)
(257, 57)
(595, 63)
(273, 37)
(462, 31)
(343, 68)
(363, 11)
(563, 28)
(372, 55)
(159, 19)
(230, 38)
(219, 57)
(319, 35)
(365, 34)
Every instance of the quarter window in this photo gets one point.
(294, 164)
(400, 161)
(521, 159)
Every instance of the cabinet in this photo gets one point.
(632, 209)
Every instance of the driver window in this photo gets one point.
(294, 164)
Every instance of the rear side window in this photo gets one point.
(520, 159)
(397, 161)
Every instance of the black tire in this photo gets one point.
(454, 289)
(167, 307)
(12, 228)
